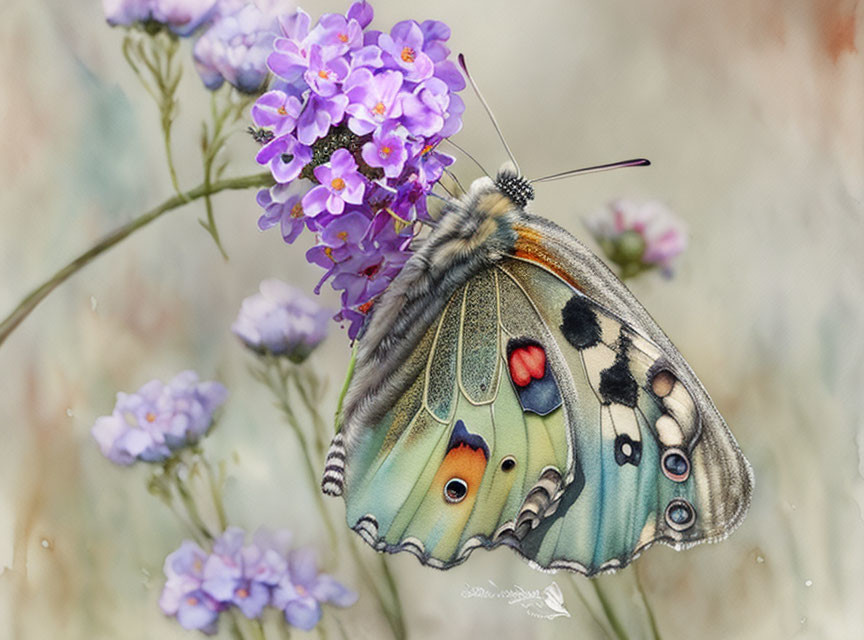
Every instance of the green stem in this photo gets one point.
(318, 422)
(393, 619)
(215, 493)
(398, 613)
(345, 385)
(655, 631)
(587, 606)
(32, 300)
(614, 622)
(191, 508)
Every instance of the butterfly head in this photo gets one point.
(514, 186)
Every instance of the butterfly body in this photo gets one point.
(509, 390)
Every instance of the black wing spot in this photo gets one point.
(627, 450)
(579, 323)
(617, 384)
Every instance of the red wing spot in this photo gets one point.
(527, 363)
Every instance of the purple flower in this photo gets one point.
(405, 46)
(278, 110)
(639, 236)
(200, 585)
(182, 17)
(374, 99)
(319, 115)
(325, 75)
(282, 206)
(373, 107)
(158, 419)
(281, 320)
(386, 150)
(285, 156)
(340, 184)
(303, 590)
(236, 47)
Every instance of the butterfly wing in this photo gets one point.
(510, 390)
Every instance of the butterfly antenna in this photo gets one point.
(636, 162)
(468, 155)
(489, 112)
(453, 177)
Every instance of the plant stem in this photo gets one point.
(588, 607)
(398, 614)
(31, 300)
(394, 618)
(652, 621)
(614, 622)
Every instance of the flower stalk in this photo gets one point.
(37, 295)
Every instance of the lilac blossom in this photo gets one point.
(199, 585)
(158, 419)
(359, 113)
(182, 17)
(282, 205)
(281, 320)
(340, 184)
(303, 590)
(236, 46)
(639, 236)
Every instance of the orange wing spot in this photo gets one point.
(461, 462)
(529, 246)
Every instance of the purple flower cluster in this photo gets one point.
(639, 236)
(182, 17)
(352, 122)
(281, 320)
(235, 47)
(201, 585)
(158, 419)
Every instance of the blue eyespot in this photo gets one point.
(675, 465)
(680, 514)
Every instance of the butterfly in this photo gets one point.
(509, 390)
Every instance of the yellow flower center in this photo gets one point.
(323, 74)
(386, 151)
(297, 211)
(242, 593)
(408, 54)
(343, 235)
(329, 253)
(427, 149)
(282, 111)
(343, 37)
(337, 183)
(379, 109)
(150, 417)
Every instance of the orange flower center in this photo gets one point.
(408, 54)
(379, 109)
(337, 183)
(297, 211)
(364, 308)
(324, 74)
(282, 111)
(300, 589)
(150, 417)
(343, 37)
(191, 601)
(386, 151)
(329, 253)
(427, 149)
(343, 235)
(242, 593)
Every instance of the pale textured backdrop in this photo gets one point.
(753, 114)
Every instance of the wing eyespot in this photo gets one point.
(455, 490)
(508, 464)
(675, 465)
(680, 514)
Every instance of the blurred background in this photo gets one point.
(752, 114)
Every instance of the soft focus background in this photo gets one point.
(753, 115)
